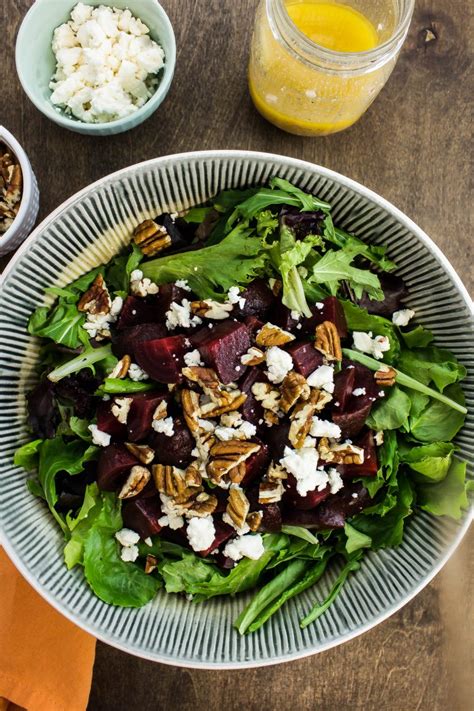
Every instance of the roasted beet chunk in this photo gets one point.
(141, 413)
(141, 515)
(115, 462)
(166, 295)
(370, 465)
(280, 315)
(304, 503)
(107, 422)
(331, 311)
(124, 342)
(395, 291)
(271, 521)
(136, 310)
(256, 464)
(351, 410)
(343, 387)
(43, 414)
(252, 409)
(253, 325)
(175, 450)
(305, 357)
(223, 533)
(332, 512)
(258, 300)
(162, 358)
(352, 420)
(221, 348)
(277, 440)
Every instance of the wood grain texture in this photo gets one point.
(412, 147)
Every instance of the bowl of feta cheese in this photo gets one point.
(96, 68)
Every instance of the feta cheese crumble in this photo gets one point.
(402, 317)
(136, 373)
(128, 539)
(322, 378)
(375, 347)
(164, 426)
(303, 464)
(357, 392)
(324, 428)
(234, 297)
(247, 546)
(106, 64)
(98, 325)
(335, 481)
(121, 408)
(201, 533)
(180, 315)
(279, 364)
(183, 284)
(193, 358)
(102, 439)
(140, 286)
(171, 517)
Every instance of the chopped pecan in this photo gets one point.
(142, 452)
(385, 376)
(340, 453)
(268, 395)
(270, 418)
(207, 379)
(122, 367)
(302, 419)
(270, 492)
(327, 341)
(203, 505)
(214, 410)
(254, 520)
(191, 409)
(320, 398)
(172, 482)
(211, 309)
(236, 474)
(271, 335)
(151, 563)
(254, 356)
(96, 300)
(192, 476)
(237, 506)
(151, 237)
(276, 472)
(161, 411)
(293, 388)
(136, 481)
(227, 455)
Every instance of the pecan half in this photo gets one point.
(276, 472)
(276, 285)
(192, 476)
(191, 409)
(161, 411)
(142, 452)
(211, 309)
(271, 335)
(270, 492)
(207, 379)
(237, 506)
(227, 455)
(96, 300)
(254, 520)
(151, 563)
(136, 481)
(151, 237)
(302, 419)
(254, 356)
(385, 376)
(236, 474)
(293, 388)
(340, 453)
(327, 341)
(172, 482)
(203, 505)
(122, 367)
(213, 410)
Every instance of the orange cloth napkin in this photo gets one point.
(45, 661)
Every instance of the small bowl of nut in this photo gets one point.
(19, 195)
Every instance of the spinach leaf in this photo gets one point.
(181, 575)
(432, 365)
(438, 422)
(430, 462)
(118, 273)
(447, 497)
(391, 412)
(300, 532)
(355, 539)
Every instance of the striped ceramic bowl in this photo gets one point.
(88, 230)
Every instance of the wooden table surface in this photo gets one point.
(413, 147)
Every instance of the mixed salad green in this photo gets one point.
(283, 236)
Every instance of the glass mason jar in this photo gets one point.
(310, 90)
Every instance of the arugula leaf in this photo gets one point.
(114, 386)
(447, 497)
(211, 271)
(80, 428)
(320, 608)
(335, 266)
(438, 422)
(359, 319)
(111, 579)
(80, 525)
(373, 253)
(391, 412)
(227, 199)
(430, 462)
(432, 365)
(87, 359)
(355, 539)
(27, 456)
(308, 202)
(418, 337)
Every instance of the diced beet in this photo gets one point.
(124, 342)
(256, 464)
(332, 311)
(136, 310)
(252, 409)
(175, 450)
(166, 295)
(271, 521)
(343, 387)
(222, 346)
(162, 358)
(141, 413)
(277, 440)
(114, 464)
(142, 514)
(352, 421)
(107, 422)
(364, 378)
(310, 501)
(305, 357)
(223, 533)
(332, 512)
(222, 496)
(395, 291)
(253, 325)
(370, 465)
(280, 315)
(258, 300)
(43, 413)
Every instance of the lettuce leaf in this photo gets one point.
(391, 412)
(418, 337)
(355, 539)
(336, 266)
(27, 456)
(432, 365)
(87, 359)
(430, 462)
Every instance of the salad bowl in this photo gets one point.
(88, 230)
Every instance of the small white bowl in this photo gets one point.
(29, 205)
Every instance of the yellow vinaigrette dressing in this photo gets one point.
(293, 89)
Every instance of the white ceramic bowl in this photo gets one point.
(89, 229)
(29, 206)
